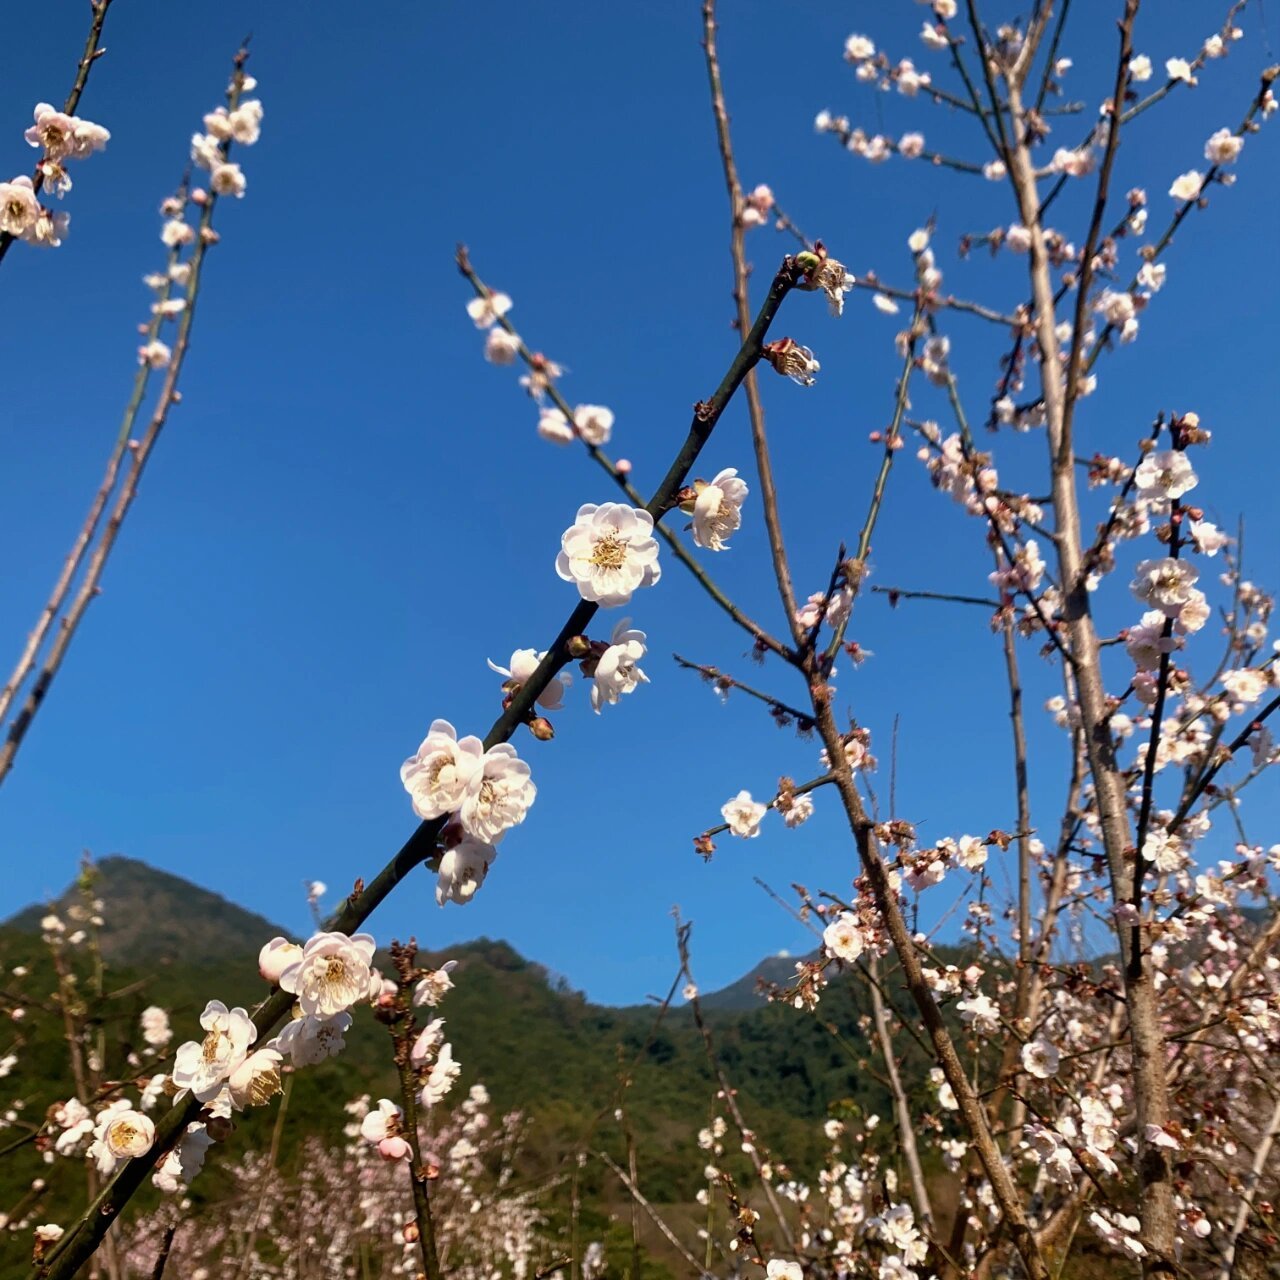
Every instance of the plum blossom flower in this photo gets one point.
(843, 937)
(883, 303)
(463, 869)
(1140, 68)
(276, 957)
(498, 795)
(1146, 643)
(19, 207)
(1186, 186)
(782, 1269)
(1179, 69)
(616, 671)
(1151, 275)
(594, 423)
(180, 1166)
(608, 552)
(63, 136)
(717, 510)
(1245, 684)
(429, 1039)
(257, 1079)
(437, 774)
(799, 812)
(309, 1040)
(332, 973)
(980, 1012)
(1165, 584)
(155, 355)
(202, 1066)
(501, 347)
(227, 180)
(744, 815)
(910, 145)
(1223, 147)
(155, 1026)
(433, 988)
(384, 1128)
(1164, 474)
(486, 312)
(756, 206)
(554, 427)
(121, 1133)
(524, 662)
(859, 49)
(1207, 537)
(1040, 1059)
(440, 1079)
(793, 361)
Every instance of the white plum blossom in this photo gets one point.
(980, 1012)
(1179, 69)
(433, 988)
(385, 1129)
(227, 180)
(1245, 684)
(121, 1133)
(19, 207)
(332, 974)
(1151, 275)
(799, 812)
(486, 312)
(744, 815)
(203, 1066)
(501, 347)
(1040, 1058)
(882, 302)
(499, 793)
(1163, 474)
(1207, 538)
(276, 957)
(155, 1026)
(1140, 68)
(524, 662)
(1166, 584)
(843, 937)
(440, 1079)
(554, 427)
(608, 552)
(859, 49)
(782, 1269)
(1223, 147)
(309, 1040)
(616, 671)
(910, 145)
(717, 511)
(257, 1078)
(594, 423)
(155, 354)
(463, 869)
(437, 774)
(180, 1166)
(1186, 186)
(1146, 642)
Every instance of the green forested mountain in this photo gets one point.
(537, 1045)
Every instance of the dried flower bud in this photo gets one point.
(793, 361)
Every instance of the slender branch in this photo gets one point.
(723, 683)
(755, 408)
(898, 593)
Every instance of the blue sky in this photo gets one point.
(350, 510)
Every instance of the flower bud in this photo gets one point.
(541, 729)
(578, 646)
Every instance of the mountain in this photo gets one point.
(747, 992)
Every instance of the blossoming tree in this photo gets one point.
(1120, 1101)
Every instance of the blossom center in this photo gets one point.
(212, 1050)
(610, 552)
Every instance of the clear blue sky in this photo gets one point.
(350, 510)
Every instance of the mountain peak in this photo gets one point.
(154, 917)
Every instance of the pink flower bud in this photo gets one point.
(393, 1148)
